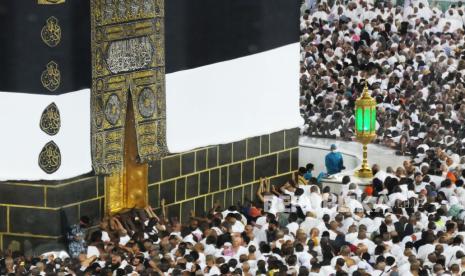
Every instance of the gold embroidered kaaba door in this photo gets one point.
(128, 96)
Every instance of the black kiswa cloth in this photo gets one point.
(202, 32)
(24, 55)
(197, 33)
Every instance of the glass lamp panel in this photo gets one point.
(359, 119)
(367, 120)
(373, 118)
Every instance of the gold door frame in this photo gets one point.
(128, 109)
(128, 188)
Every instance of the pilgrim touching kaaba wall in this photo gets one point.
(107, 105)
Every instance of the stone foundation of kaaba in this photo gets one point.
(35, 215)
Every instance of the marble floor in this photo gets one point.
(313, 150)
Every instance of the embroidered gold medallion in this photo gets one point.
(51, 76)
(146, 102)
(50, 121)
(51, 32)
(113, 109)
(50, 158)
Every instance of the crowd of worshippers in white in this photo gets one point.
(413, 59)
(409, 222)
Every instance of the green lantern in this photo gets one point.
(365, 128)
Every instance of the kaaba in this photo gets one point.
(107, 105)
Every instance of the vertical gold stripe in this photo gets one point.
(206, 161)
(161, 170)
(195, 161)
(8, 219)
(284, 133)
(227, 177)
(269, 143)
(176, 196)
(198, 184)
(217, 156)
(175, 190)
(159, 201)
(232, 196)
(253, 169)
(180, 164)
(290, 160)
(209, 181)
(45, 196)
(242, 200)
(242, 171)
(252, 192)
(97, 185)
(1, 242)
(277, 163)
(232, 152)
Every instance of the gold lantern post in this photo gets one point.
(365, 128)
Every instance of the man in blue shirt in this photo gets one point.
(333, 161)
(309, 169)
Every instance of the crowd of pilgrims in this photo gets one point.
(412, 58)
(410, 221)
